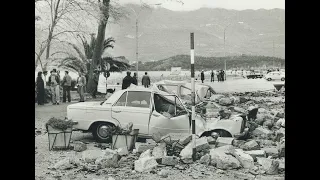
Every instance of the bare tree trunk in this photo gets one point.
(98, 49)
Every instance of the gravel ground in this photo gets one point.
(45, 158)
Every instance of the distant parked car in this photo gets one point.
(275, 75)
(150, 112)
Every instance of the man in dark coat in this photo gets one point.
(222, 75)
(40, 89)
(127, 81)
(202, 76)
(135, 80)
(146, 80)
(212, 76)
(66, 84)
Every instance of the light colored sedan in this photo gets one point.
(275, 75)
(150, 112)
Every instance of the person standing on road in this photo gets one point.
(54, 81)
(106, 74)
(212, 76)
(81, 83)
(66, 84)
(202, 76)
(135, 80)
(40, 89)
(146, 80)
(127, 81)
(222, 75)
(218, 75)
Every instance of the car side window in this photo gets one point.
(122, 100)
(138, 99)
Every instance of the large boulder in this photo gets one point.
(245, 159)
(222, 141)
(109, 158)
(186, 152)
(239, 110)
(146, 153)
(145, 164)
(226, 101)
(63, 164)
(261, 131)
(202, 144)
(224, 161)
(268, 124)
(269, 165)
(90, 156)
(170, 160)
(159, 151)
(251, 145)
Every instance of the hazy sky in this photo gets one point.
(227, 4)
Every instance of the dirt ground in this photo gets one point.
(45, 158)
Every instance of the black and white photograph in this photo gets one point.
(159, 89)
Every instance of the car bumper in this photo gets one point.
(244, 133)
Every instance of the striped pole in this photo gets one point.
(193, 98)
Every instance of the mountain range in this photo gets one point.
(164, 33)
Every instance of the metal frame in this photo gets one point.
(51, 146)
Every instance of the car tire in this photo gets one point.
(98, 134)
(282, 79)
(269, 79)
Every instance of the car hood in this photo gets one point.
(85, 104)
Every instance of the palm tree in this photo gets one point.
(82, 62)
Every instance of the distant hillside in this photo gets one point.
(164, 33)
(209, 63)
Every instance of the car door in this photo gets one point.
(160, 122)
(135, 107)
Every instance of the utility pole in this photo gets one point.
(273, 54)
(137, 39)
(224, 49)
(193, 124)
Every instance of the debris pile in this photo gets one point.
(261, 153)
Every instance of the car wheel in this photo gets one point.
(282, 79)
(100, 132)
(269, 79)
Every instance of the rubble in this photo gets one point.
(245, 159)
(251, 145)
(140, 147)
(170, 160)
(163, 173)
(108, 158)
(145, 164)
(205, 159)
(271, 151)
(90, 156)
(280, 122)
(123, 151)
(79, 146)
(221, 160)
(216, 97)
(261, 131)
(226, 101)
(222, 141)
(146, 153)
(182, 138)
(159, 151)
(256, 153)
(269, 165)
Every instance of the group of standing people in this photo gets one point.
(55, 82)
(128, 80)
(220, 76)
